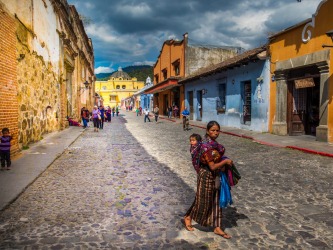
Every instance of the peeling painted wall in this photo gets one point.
(40, 50)
(38, 97)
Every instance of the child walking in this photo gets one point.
(5, 148)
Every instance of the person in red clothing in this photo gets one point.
(206, 209)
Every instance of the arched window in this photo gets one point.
(123, 87)
(118, 87)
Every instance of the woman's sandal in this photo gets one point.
(224, 235)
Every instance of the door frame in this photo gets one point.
(190, 103)
(200, 105)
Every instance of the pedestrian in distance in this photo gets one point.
(108, 114)
(156, 112)
(146, 112)
(113, 111)
(169, 110)
(96, 115)
(5, 149)
(140, 108)
(83, 117)
(137, 111)
(175, 111)
(206, 209)
(185, 115)
(117, 111)
(101, 121)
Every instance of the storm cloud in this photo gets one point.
(131, 32)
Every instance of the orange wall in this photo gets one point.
(289, 44)
(169, 54)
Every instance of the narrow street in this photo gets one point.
(129, 185)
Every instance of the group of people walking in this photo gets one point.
(98, 115)
(170, 111)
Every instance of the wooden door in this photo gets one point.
(165, 104)
(247, 102)
(297, 111)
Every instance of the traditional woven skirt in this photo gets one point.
(205, 209)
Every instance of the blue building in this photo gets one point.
(144, 100)
(234, 93)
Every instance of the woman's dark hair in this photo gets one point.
(196, 136)
(211, 124)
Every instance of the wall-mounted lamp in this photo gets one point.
(329, 34)
(86, 85)
(233, 81)
(273, 78)
(204, 91)
(260, 80)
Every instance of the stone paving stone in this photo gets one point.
(129, 185)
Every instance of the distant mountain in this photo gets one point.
(141, 72)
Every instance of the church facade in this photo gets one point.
(114, 91)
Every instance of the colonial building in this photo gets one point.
(120, 86)
(302, 86)
(146, 99)
(140, 99)
(234, 92)
(179, 59)
(46, 68)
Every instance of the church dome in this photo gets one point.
(121, 74)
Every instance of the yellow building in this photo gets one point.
(119, 87)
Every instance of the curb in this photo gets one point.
(311, 151)
(305, 150)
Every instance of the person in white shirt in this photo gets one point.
(146, 111)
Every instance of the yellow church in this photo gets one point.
(119, 87)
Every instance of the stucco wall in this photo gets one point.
(169, 54)
(199, 57)
(46, 43)
(234, 102)
(289, 46)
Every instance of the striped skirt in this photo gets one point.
(205, 209)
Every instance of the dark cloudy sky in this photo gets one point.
(131, 32)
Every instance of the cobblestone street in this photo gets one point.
(129, 185)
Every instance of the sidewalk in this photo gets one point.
(305, 143)
(29, 164)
